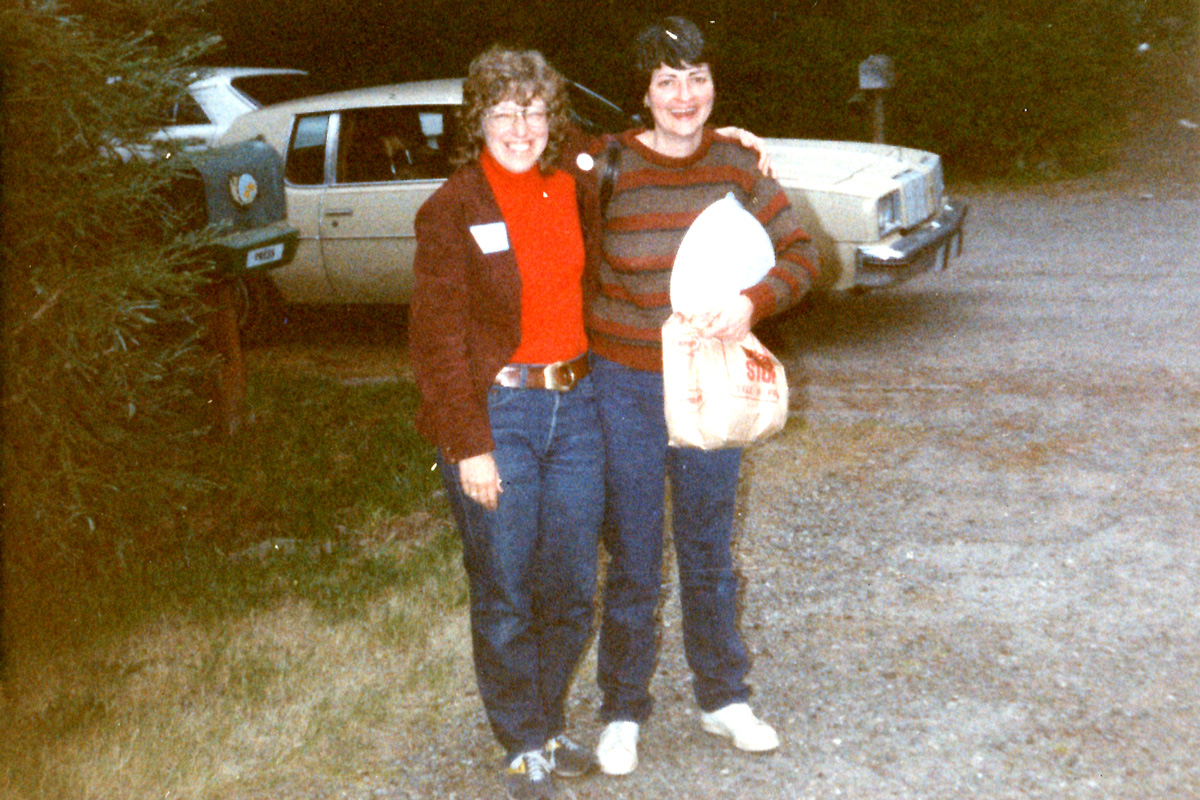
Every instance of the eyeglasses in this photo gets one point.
(534, 117)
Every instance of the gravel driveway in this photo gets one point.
(971, 560)
(982, 581)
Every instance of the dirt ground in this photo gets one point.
(970, 561)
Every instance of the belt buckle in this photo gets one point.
(554, 376)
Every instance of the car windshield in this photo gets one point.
(270, 89)
(596, 115)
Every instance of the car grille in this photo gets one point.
(918, 194)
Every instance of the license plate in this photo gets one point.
(264, 255)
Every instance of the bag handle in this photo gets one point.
(608, 177)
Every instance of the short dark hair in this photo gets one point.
(674, 41)
(498, 74)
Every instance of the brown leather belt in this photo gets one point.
(561, 376)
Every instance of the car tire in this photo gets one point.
(259, 309)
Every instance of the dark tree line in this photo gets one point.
(993, 85)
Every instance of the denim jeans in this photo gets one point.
(531, 563)
(703, 498)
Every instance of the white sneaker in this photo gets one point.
(737, 722)
(617, 749)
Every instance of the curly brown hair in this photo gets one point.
(498, 74)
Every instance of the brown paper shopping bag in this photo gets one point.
(719, 394)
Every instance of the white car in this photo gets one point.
(359, 164)
(219, 95)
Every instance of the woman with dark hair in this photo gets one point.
(499, 352)
(666, 176)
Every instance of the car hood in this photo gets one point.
(856, 168)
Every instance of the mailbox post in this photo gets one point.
(229, 376)
(875, 76)
(243, 194)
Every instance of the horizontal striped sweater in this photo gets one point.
(654, 200)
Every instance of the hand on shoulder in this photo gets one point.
(751, 142)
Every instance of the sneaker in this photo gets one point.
(528, 778)
(737, 722)
(617, 750)
(567, 758)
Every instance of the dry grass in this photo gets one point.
(235, 705)
(302, 618)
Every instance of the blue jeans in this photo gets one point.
(531, 563)
(703, 498)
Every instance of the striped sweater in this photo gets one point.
(654, 201)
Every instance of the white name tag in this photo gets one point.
(491, 238)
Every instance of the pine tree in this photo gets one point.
(103, 372)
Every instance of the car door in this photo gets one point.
(388, 161)
(306, 167)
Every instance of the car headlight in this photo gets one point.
(887, 212)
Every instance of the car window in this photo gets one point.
(273, 88)
(306, 154)
(187, 111)
(395, 143)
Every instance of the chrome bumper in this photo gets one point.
(923, 249)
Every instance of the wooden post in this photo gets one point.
(878, 116)
(229, 374)
(875, 77)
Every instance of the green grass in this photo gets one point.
(300, 613)
(319, 459)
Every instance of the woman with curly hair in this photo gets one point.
(500, 357)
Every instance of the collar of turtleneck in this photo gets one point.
(515, 183)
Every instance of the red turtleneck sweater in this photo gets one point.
(542, 218)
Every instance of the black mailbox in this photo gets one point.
(243, 197)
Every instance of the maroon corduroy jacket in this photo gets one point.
(465, 315)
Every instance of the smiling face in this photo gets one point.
(516, 135)
(680, 100)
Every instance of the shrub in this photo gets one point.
(101, 356)
(1003, 93)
